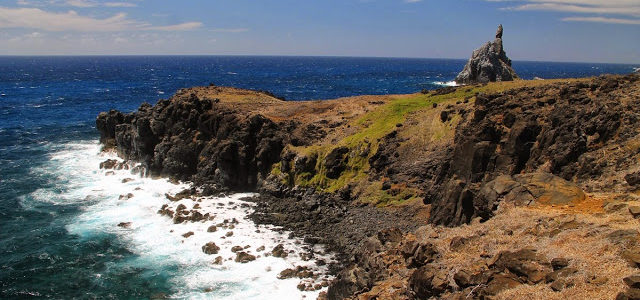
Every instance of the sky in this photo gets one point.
(538, 30)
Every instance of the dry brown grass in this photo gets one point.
(578, 233)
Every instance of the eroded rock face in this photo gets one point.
(188, 136)
(488, 63)
(559, 129)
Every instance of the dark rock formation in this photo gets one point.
(559, 129)
(488, 63)
(196, 139)
(210, 248)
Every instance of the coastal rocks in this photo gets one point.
(279, 251)
(244, 257)
(124, 225)
(191, 137)
(299, 272)
(210, 248)
(488, 63)
(562, 129)
(377, 259)
(106, 123)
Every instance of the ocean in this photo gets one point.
(59, 213)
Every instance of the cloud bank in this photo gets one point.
(36, 18)
(610, 11)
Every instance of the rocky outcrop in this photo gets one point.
(196, 139)
(559, 129)
(487, 64)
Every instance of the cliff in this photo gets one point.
(374, 176)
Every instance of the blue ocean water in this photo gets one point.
(54, 238)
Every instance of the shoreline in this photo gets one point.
(323, 166)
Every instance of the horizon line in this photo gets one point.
(290, 55)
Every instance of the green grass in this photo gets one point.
(371, 128)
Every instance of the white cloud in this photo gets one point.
(412, 1)
(35, 18)
(596, 10)
(230, 30)
(602, 20)
(81, 3)
(177, 27)
(120, 4)
(75, 3)
(588, 9)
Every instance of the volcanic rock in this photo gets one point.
(488, 63)
(244, 257)
(210, 248)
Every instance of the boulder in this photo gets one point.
(528, 189)
(633, 179)
(244, 257)
(279, 251)
(210, 248)
(488, 63)
(428, 281)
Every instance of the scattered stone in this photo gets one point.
(598, 280)
(633, 179)
(244, 257)
(501, 282)
(235, 249)
(525, 262)
(212, 228)
(125, 197)
(188, 234)
(428, 281)
(279, 251)
(424, 253)
(559, 263)
(210, 248)
(299, 272)
(218, 260)
(127, 180)
(124, 224)
(260, 249)
(108, 164)
(179, 196)
(228, 234)
(561, 284)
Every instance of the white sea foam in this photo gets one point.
(447, 83)
(159, 243)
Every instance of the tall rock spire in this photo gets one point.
(488, 63)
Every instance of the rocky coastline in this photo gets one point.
(406, 187)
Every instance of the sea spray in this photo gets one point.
(118, 203)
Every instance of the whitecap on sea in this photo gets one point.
(445, 83)
(127, 206)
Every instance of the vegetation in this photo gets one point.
(426, 128)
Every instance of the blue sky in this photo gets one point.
(548, 30)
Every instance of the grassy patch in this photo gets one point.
(382, 120)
